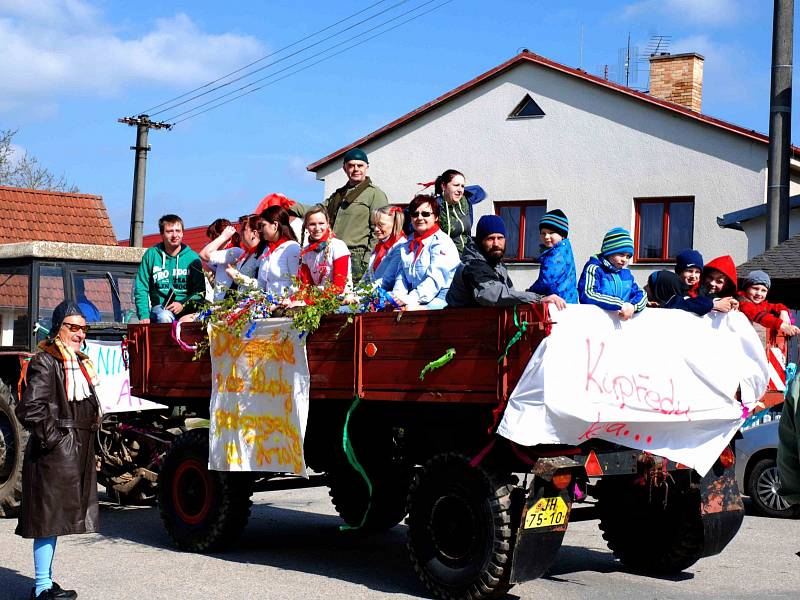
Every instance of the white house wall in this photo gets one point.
(591, 155)
(756, 231)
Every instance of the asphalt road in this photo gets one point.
(292, 548)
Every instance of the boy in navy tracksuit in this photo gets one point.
(556, 262)
(607, 283)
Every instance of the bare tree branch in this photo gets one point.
(26, 171)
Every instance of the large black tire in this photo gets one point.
(462, 526)
(762, 487)
(388, 472)
(13, 438)
(387, 506)
(202, 510)
(645, 535)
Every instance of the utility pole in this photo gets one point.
(780, 124)
(143, 126)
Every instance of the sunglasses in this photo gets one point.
(421, 213)
(75, 328)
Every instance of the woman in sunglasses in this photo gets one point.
(60, 409)
(428, 259)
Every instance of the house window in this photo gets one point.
(663, 227)
(527, 109)
(522, 227)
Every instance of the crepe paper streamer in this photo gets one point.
(176, 335)
(521, 329)
(351, 458)
(791, 373)
(39, 327)
(439, 362)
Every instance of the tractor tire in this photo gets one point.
(762, 487)
(13, 439)
(350, 496)
(462, 528)
(389, 473)
(645, 535)
(202, 510)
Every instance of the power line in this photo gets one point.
(301, 50)
(193, 109)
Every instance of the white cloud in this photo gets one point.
(703, 12)
(55, 49)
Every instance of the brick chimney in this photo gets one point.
(678, 78)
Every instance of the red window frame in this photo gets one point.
(638, 202)
(521, 204)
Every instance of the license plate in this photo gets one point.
(546, 513)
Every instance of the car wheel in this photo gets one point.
(762, 487)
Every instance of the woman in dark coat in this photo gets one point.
(59, 482)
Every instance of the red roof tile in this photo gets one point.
(194, 237)
(39, 215)
(530, 57)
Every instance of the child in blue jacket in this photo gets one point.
(557, 265)
(607, 283)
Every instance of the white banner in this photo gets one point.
(114, 391)
(663, 381)
(259, 399)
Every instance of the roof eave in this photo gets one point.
(527, 56)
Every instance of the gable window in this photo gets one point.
(527, 109)
(663, 227)
(521, 219)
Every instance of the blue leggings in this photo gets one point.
(43, 551)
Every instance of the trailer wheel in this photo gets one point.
(388, 472)
(202, 510)
(461, 530)
(350, 496)
(643, 533)
(13, 438)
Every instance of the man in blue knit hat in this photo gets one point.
(482, 278)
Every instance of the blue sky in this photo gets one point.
(72, 67)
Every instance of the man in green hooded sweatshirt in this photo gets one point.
(350, 209)
(170, 282)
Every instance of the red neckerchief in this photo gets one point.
(415, 243)
(315, 246)
(247, 252)
(381, 248)
(273, 245)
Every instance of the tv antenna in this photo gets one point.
(658, 44)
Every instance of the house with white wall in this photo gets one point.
(752, 221)
(539, 135)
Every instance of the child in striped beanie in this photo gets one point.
(607, 283)
(556, 262)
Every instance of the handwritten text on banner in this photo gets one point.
(664, 381)
(114, 391)
(259, 399)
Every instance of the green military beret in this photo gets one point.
(355, 154)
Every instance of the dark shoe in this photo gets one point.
(54, 593)
(63, 594)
